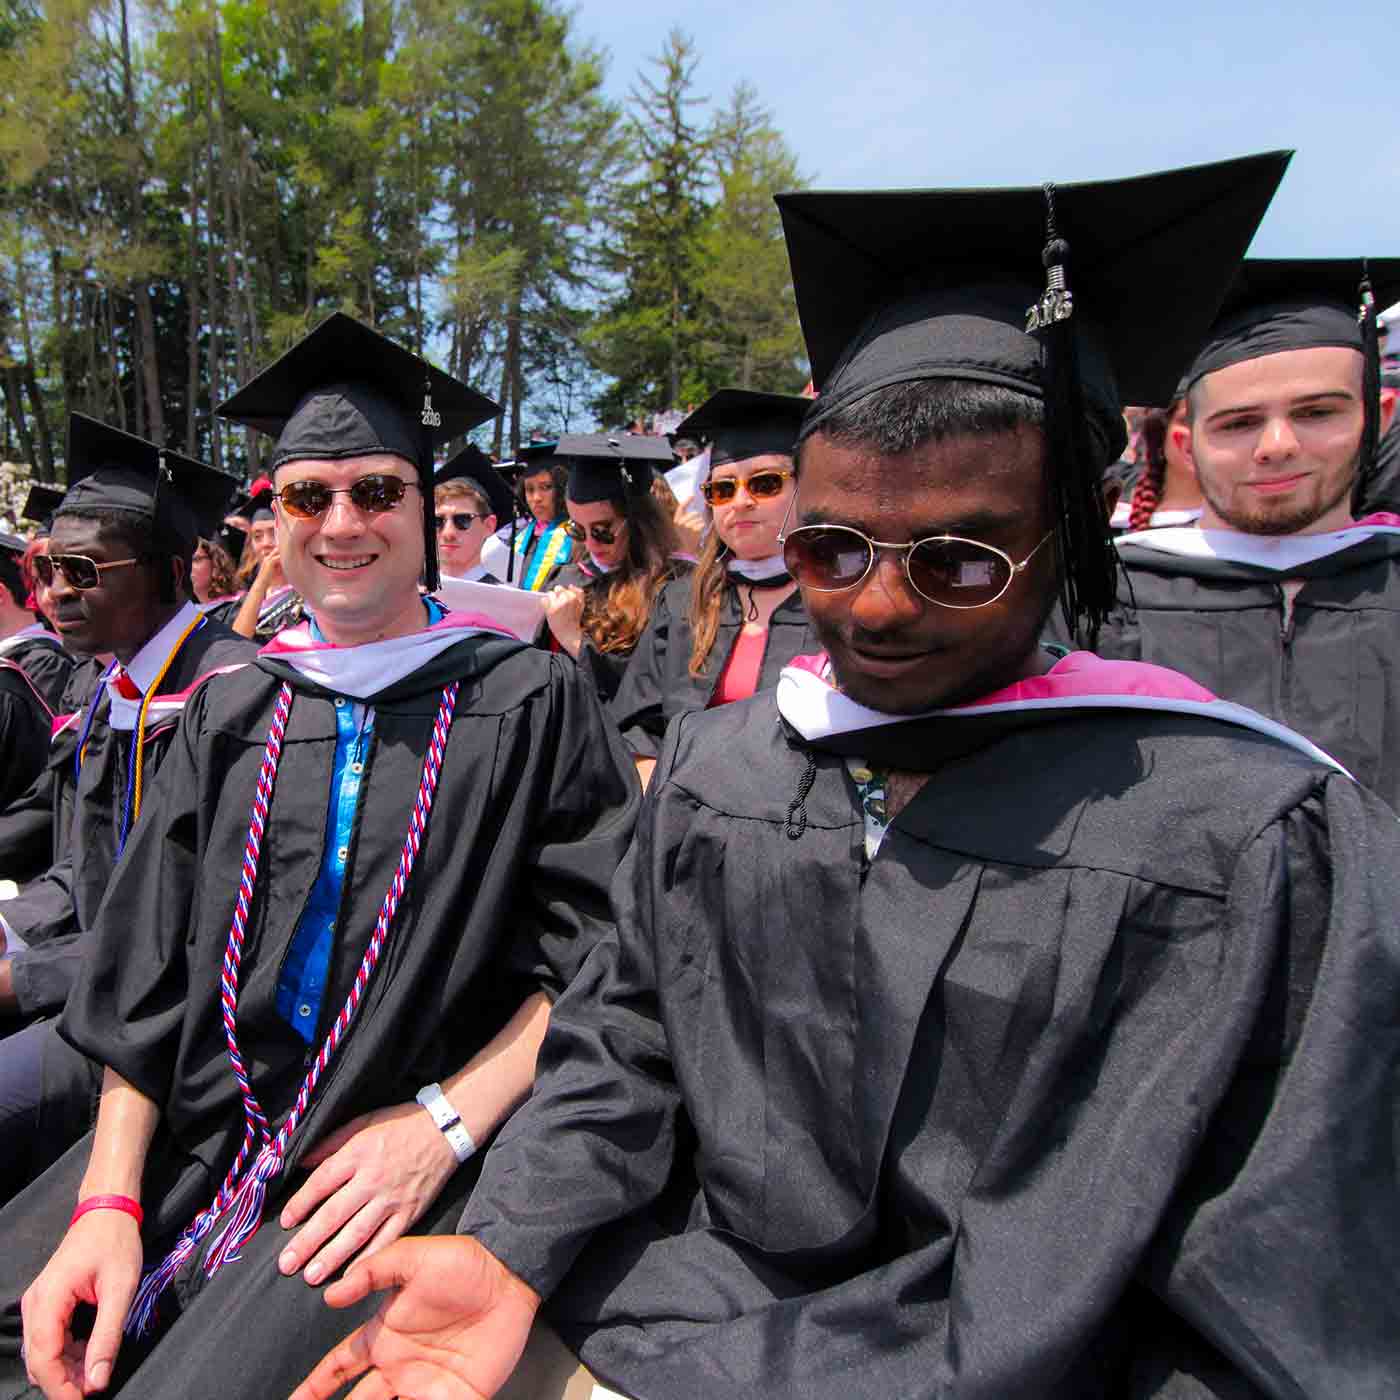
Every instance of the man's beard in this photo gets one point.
(1282, 521)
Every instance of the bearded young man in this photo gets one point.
(320, 976)
(958, 1037)
(1277, 597)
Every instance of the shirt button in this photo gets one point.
(357, 767)
(304, 1010)
(342, 852)
(339, 701)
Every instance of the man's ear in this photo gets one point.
(1181, 436)
(1388, 398)
(179, 573)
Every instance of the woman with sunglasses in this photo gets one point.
(626, 553)
(728, 630)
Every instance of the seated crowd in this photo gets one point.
(908, 910)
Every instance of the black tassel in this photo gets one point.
(1370, 387)
(1088, 561)
(429, 419)
(797, 808)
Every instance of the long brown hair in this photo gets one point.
(615, 616)
(221, 569)
(707, 600)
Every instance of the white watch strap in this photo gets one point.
(445, 1116)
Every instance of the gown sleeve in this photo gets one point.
(586, 801)
(127, 1005)
(596, 1139)
(638, 707)
(44, 909)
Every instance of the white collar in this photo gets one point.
(1279, 553)
(146, 664)
(757, 569)
(1123, 514)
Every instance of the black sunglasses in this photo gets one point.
(600, 534)
(461, 520)
(374, 494)
(78, 570)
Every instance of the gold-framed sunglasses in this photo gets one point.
(762, 485)
(79, 572)
(371, 495)
(947, 570)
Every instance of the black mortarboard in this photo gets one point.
(40, 504)
(472, 464)
(1055, 292)
(109, 470)
(535, 456)
(12, 544)
(258, 505)
(232, 541)
(607, 466)
(1279, 304)
(344, 390)
(742, 423)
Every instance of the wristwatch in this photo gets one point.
(445, 1116)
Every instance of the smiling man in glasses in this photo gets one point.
(983, 1051)
(319, 980)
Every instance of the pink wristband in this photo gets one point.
(122, 1203)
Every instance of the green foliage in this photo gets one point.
(186, 186)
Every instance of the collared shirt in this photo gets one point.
(302, 985)
(145, 666)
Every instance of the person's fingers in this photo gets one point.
(373, 1387)
(387, 1233)
(45, 1340)
(328, 1219)
(329, 1176)
(338, 1366)
(106, 1338)
(347, 1242)
(389, 1268)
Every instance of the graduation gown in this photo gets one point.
(604, 668)
(1327, 666)
(42, 657)
(1084, 1090)
(24, 732)
(86, 811)
(533, 812)
(27, 822)
(657, 685)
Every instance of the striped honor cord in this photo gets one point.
(239, 1203)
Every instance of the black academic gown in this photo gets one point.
(1085, 1090)
(533, 813)
(27, 822)
(657, 685)
(1380, 491)
(25, 721)
(1329, 668)
(52, 911)
(604, 668)
(45, 661)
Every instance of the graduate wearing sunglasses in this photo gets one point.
(371, 858)
(728, 630)
(626, 552)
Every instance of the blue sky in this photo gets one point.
(888, 93)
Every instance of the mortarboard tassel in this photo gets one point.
(1088, 562)
(1370, 384)
(429, 419)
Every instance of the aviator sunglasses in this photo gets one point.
(600, 534)
(947, 570)
(762, 486)
(462, 520)
(374, 494)
(79, 572)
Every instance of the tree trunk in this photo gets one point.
(14, 406)
(192, 297)
(43, 438)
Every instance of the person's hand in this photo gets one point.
(453, 1329)
(99, 1262)
(563, 610)
(374, 1177)
(270, 574)
(690, 523)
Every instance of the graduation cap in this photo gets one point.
(113, 471)
(606, 466)
(40, 504)
(1279, 304)
(344, 390)
(473, 465)
(742, 423)
(257, 505)
(232, 541)
(1054, 292)
(12, 544)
